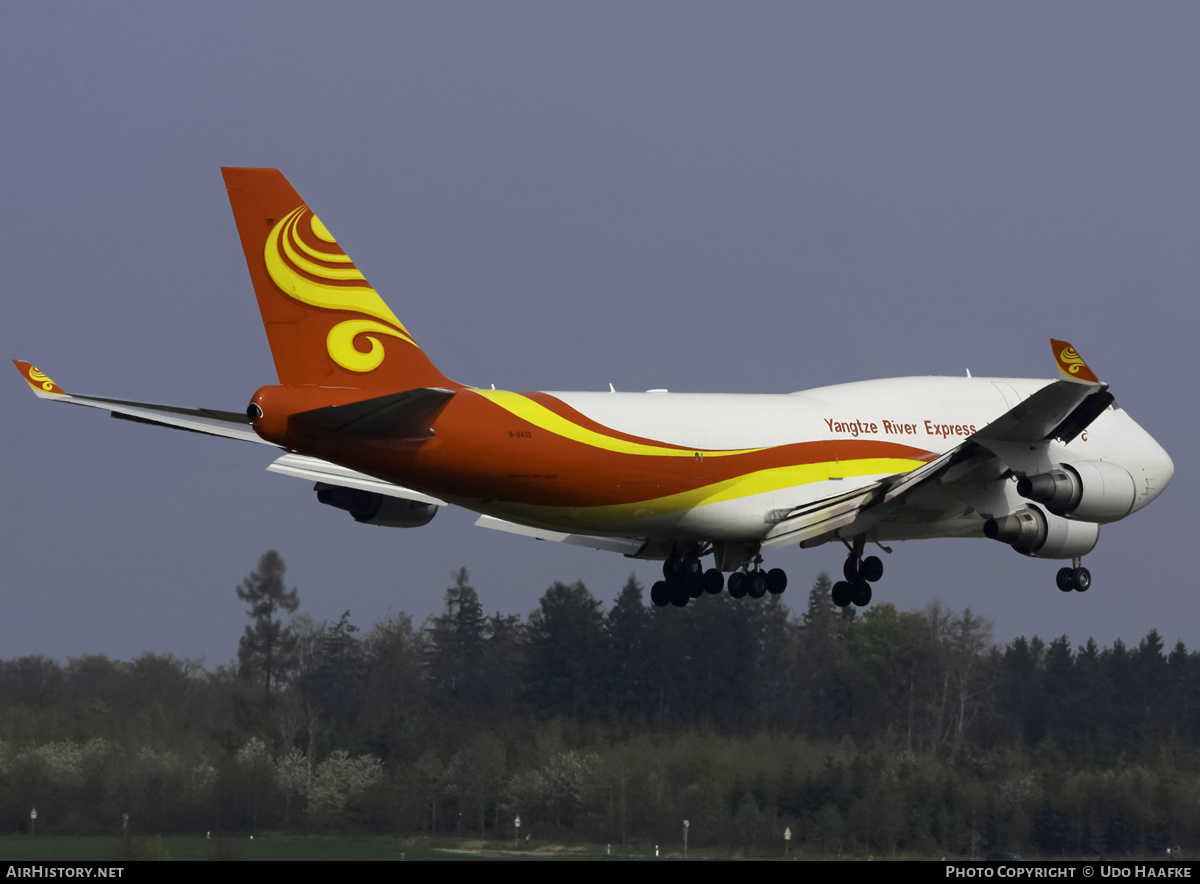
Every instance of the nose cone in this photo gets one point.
(1156, 472)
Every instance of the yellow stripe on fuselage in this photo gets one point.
(599, 518)
(540, 416)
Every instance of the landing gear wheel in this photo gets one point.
(841, 593)
(679, 593)
(1065, 579)
(1083, 579)
(860, 593)
(756, 584)
(871, 568)
(850, 569)
(737, 585)
(660, 594)
(776, 581)
(714, 581)
(672, 567)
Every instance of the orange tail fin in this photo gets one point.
(325, 324)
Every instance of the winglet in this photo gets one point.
(1071, 364)
(38, 382)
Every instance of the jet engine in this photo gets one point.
(1032, 532)
(377, 509)
(1090, 491)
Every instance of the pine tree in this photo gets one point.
(627, 628)
(566, 651)
(334, 687)
(825, 700)
(267, 648)
(456, 645)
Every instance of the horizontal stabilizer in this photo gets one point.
(316, 470)
(626, 545)
(406, 416)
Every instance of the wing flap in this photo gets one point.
(821, 517)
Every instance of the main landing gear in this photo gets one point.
(756, 583)
(1076, 578)
(685, 579)
(860, 573)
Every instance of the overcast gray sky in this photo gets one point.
(757, 197)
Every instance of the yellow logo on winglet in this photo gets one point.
(40, 379)
(302, 271)
(1071, 364)
(1072, 360)
(37, 379)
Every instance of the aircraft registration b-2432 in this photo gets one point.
(362, 411)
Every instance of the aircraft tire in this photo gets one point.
(737, 585)
(850, 569)
(871, 568)
(776, 581)
(679, 593)
(1083, 579)
(660, 594)
(695, 585)
(714, 581)
(860, 593)
(756, 584)
(841, 593)
(1065, 579)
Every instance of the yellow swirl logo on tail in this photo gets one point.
(303, 267)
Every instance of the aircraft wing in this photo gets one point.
(1016, 441)
(229, 424)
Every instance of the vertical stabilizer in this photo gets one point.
(325, 324)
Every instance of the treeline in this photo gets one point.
(875, 731)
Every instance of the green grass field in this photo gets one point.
(277, 848)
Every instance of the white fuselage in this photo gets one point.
(929, 414)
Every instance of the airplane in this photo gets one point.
(362, 412)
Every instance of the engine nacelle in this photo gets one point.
(1090, 491)
(377, 509)
(1032, 532)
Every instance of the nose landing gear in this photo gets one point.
(1076, 578)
